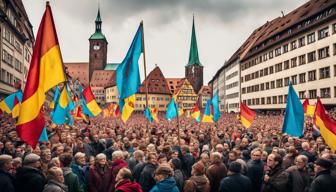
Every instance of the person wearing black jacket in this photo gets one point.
(235, 181)
(323, 180)
(146, 180)
(255, 169)
(275, 179)
(6, 179)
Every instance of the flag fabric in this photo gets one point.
(308, 109)
(128, 76)
(188, 113)
(246, 115)
(215, 105)
(106, 113)
(7, 104)
(196, 114)
(43, 136)
(207, 116)
(326, 124)
(55, 99)
(79, 113)
(46, 71)
(116, 111)
(172, 110)
(16, 107)
(294, 115)
(180, 112)
(61, 108)
(148, 115)
(154, 113)
(90, 106)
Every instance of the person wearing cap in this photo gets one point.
(323, 180)
(165, 182)
(6, 179)
(198, 182)
(216, 171)
(29, 177)
(235, 181)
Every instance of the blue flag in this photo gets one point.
(148, 115)
(294, 115)
(172, 110)
(43, 136)
(7, 104)
(127, 73)
(215, 105)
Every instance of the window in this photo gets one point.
(261, 72)
(272, 84)
(294, 79)
(285, 48)
(279, 83)
(278, 67)
(271, 70)
(262, 87)
(312, 75)
(286, 81)
(302, 94)
(278, 51)
(312, 94)
(335, 70)
(265, 57)
(311, 38)
(302, 78)
(293, 62)
(267, 85)
(266, 71)
(293, 45)
(302, 42)
(286, 64)
(311, 56)
(323, 53)
(268, 100)
(324, 72)
(270, 54)
(263, 100)
(280, 99)
(334, 28)
(243, 90)
(323, 33)
(325, 92)
(334, 45)
(302, 59)
(274, 99)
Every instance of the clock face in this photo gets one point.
(96, 47)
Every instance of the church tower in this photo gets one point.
(194, 68)
(98, 48)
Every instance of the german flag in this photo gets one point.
(308, 109)
(326, 124)
(90, 106)
(46, 71)
(16, 107)
(246, 114)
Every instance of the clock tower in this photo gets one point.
(98, 48)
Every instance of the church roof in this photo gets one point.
(193, 53)
(156, 83)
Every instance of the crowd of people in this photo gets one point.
(105, 155)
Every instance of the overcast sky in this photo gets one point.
(221, 27)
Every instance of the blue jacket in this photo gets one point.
(166, 185)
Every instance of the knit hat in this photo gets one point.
(198, 168)
(31, 158)
(325, 163)
(177, 163)
(235, 167)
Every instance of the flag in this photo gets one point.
(246, 115)
(196, 114)
(207, 116)
(188, 111)
(61, 108)
(180, 112)
(148, 115)
(308, 109)
(172, 110)
(154, 113)
(294, 115)
(106, 113)
(116, 111)
(90, 106)
(79, 113)
(16, 107)
(326, 124)
(55, 99)
(46, 71)
(215, 105)
(128, 76)
(43, 136)
(7, 104)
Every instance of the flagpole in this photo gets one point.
(178, 128)
(145, 72)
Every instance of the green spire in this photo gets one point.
(193, 53)
(98, 19)
(98, 33)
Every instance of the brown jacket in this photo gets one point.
(197, 183)
(215, 173)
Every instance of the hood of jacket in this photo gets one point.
(167, 184)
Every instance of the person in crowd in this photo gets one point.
(100, 176)
(81, 169)
(6, 179)
(30, 177)
(275, 178)
(70, 179)
(124, 182)
(118, 162)
(146, 179)
(198, 182)
(165, 182)
(178, 175)
(235, 181)
(138, 157)
(298, 176)
(55, 181)
(323, 180)
(216, 171)
(255, 169)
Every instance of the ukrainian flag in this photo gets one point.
(172, 110)
(7, 104)
(216, 110)
(90, 106)
(61, 108)
(148, 115)
(207, 116)
(128, 76)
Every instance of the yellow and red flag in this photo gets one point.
(16, 107)
(246, 114)
(308, 109)
(90, 106)
(154, 113)
(326, 124)
(46, 71)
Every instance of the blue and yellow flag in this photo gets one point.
(215, 105)
(207, 116)
(55, 99)
(7, 104)
(128, 76)
(61, 108)
(43, 136)
(148, 115)
(294, 115)
(172, 110)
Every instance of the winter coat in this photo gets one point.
(188, 161)
(236, 182)
(137, 171)
(116, 166)
(127, 186)
(54, 186)
(298, 180)
(100, 181)
(71, 180)
(197, 183)
(277, 180)
(6, 182)
(179, 178)
(255, 171)
(97, 147)
(146, 178)
(215, 173)
(323, 182)
(29, 179)
(166, 185)
(82, 173)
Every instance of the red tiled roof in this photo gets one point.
(172, 83)
(205, 90)
(79, 71)
(102, 78)
(156, 83)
